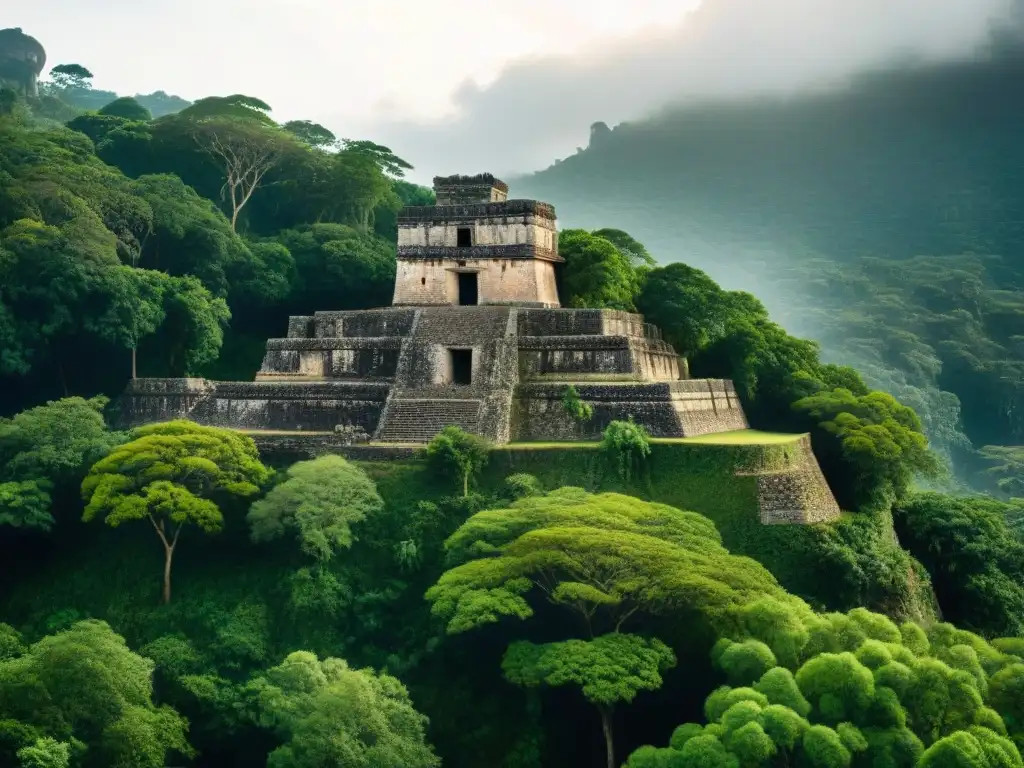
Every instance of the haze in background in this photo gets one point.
(541, 109)
(341, 62)
(465, 85)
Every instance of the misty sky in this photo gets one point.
(473, 85)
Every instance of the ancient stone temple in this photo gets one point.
(477, 248)
(475, 337)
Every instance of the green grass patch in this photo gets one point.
(739, 437)
(750, 437)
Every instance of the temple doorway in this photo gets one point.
(468, 290)
(461, 366)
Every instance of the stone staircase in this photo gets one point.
(460, 325)
(417, 421)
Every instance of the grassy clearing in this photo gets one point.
(739, 437)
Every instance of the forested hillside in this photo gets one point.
(885, 220)
(169, 596)
(152, 234)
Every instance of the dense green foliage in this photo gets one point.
(976, 561)
(43, 452)
(175, 475)
(150, 236)
(84, 689)
(627, 446)
(127, 247)
(838, 690)
(579, 410)
(459, 454)
(330, 714)
(597, 273)
(319, 501)
(902, 263)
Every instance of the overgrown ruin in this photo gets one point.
(476, 337)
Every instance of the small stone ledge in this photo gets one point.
(469, 253)
(182, 386)
(303, 390)
(797, 494)
(591, 341)
(627, 390)
(416, 214)
(488, 180)
(475, 214)
(328, 343)
(297, 445)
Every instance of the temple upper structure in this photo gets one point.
(477, 247)
(476, 338)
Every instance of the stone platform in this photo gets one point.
(402, 374)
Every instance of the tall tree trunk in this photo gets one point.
(63, 379)
(169, 546)
(465, 484)
(168, 556)
(606, 726)
(133, 364)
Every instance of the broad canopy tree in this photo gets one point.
(596, 272)
(609, 669)
(328, 713)
(84, 687)
(44, 452)
(456, 452)
(238, 137)
(318, 502)
(608, 560)
(175, 475)
(71, 77)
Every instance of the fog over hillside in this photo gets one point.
(541, 108)
(884, 219)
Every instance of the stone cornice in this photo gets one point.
(418, 214)
(476, 252)
(486, 180)
(334, 342)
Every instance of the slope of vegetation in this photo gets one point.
(884, 220)
(169, 596)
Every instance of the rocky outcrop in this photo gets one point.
(22, 59)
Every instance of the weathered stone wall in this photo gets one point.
(423, 384)
(367, 323)
(498, 230)
(706, 406)
(455, 190)
(293, 406)
(592, 355)
(584, 322)
(669, 409)
(399, 385)
(317, 358)
(343, 345)
(150, 400)
(796, 495)
(433, 282)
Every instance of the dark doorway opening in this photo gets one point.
(467, 288)
(462, 366)
(465, 236)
